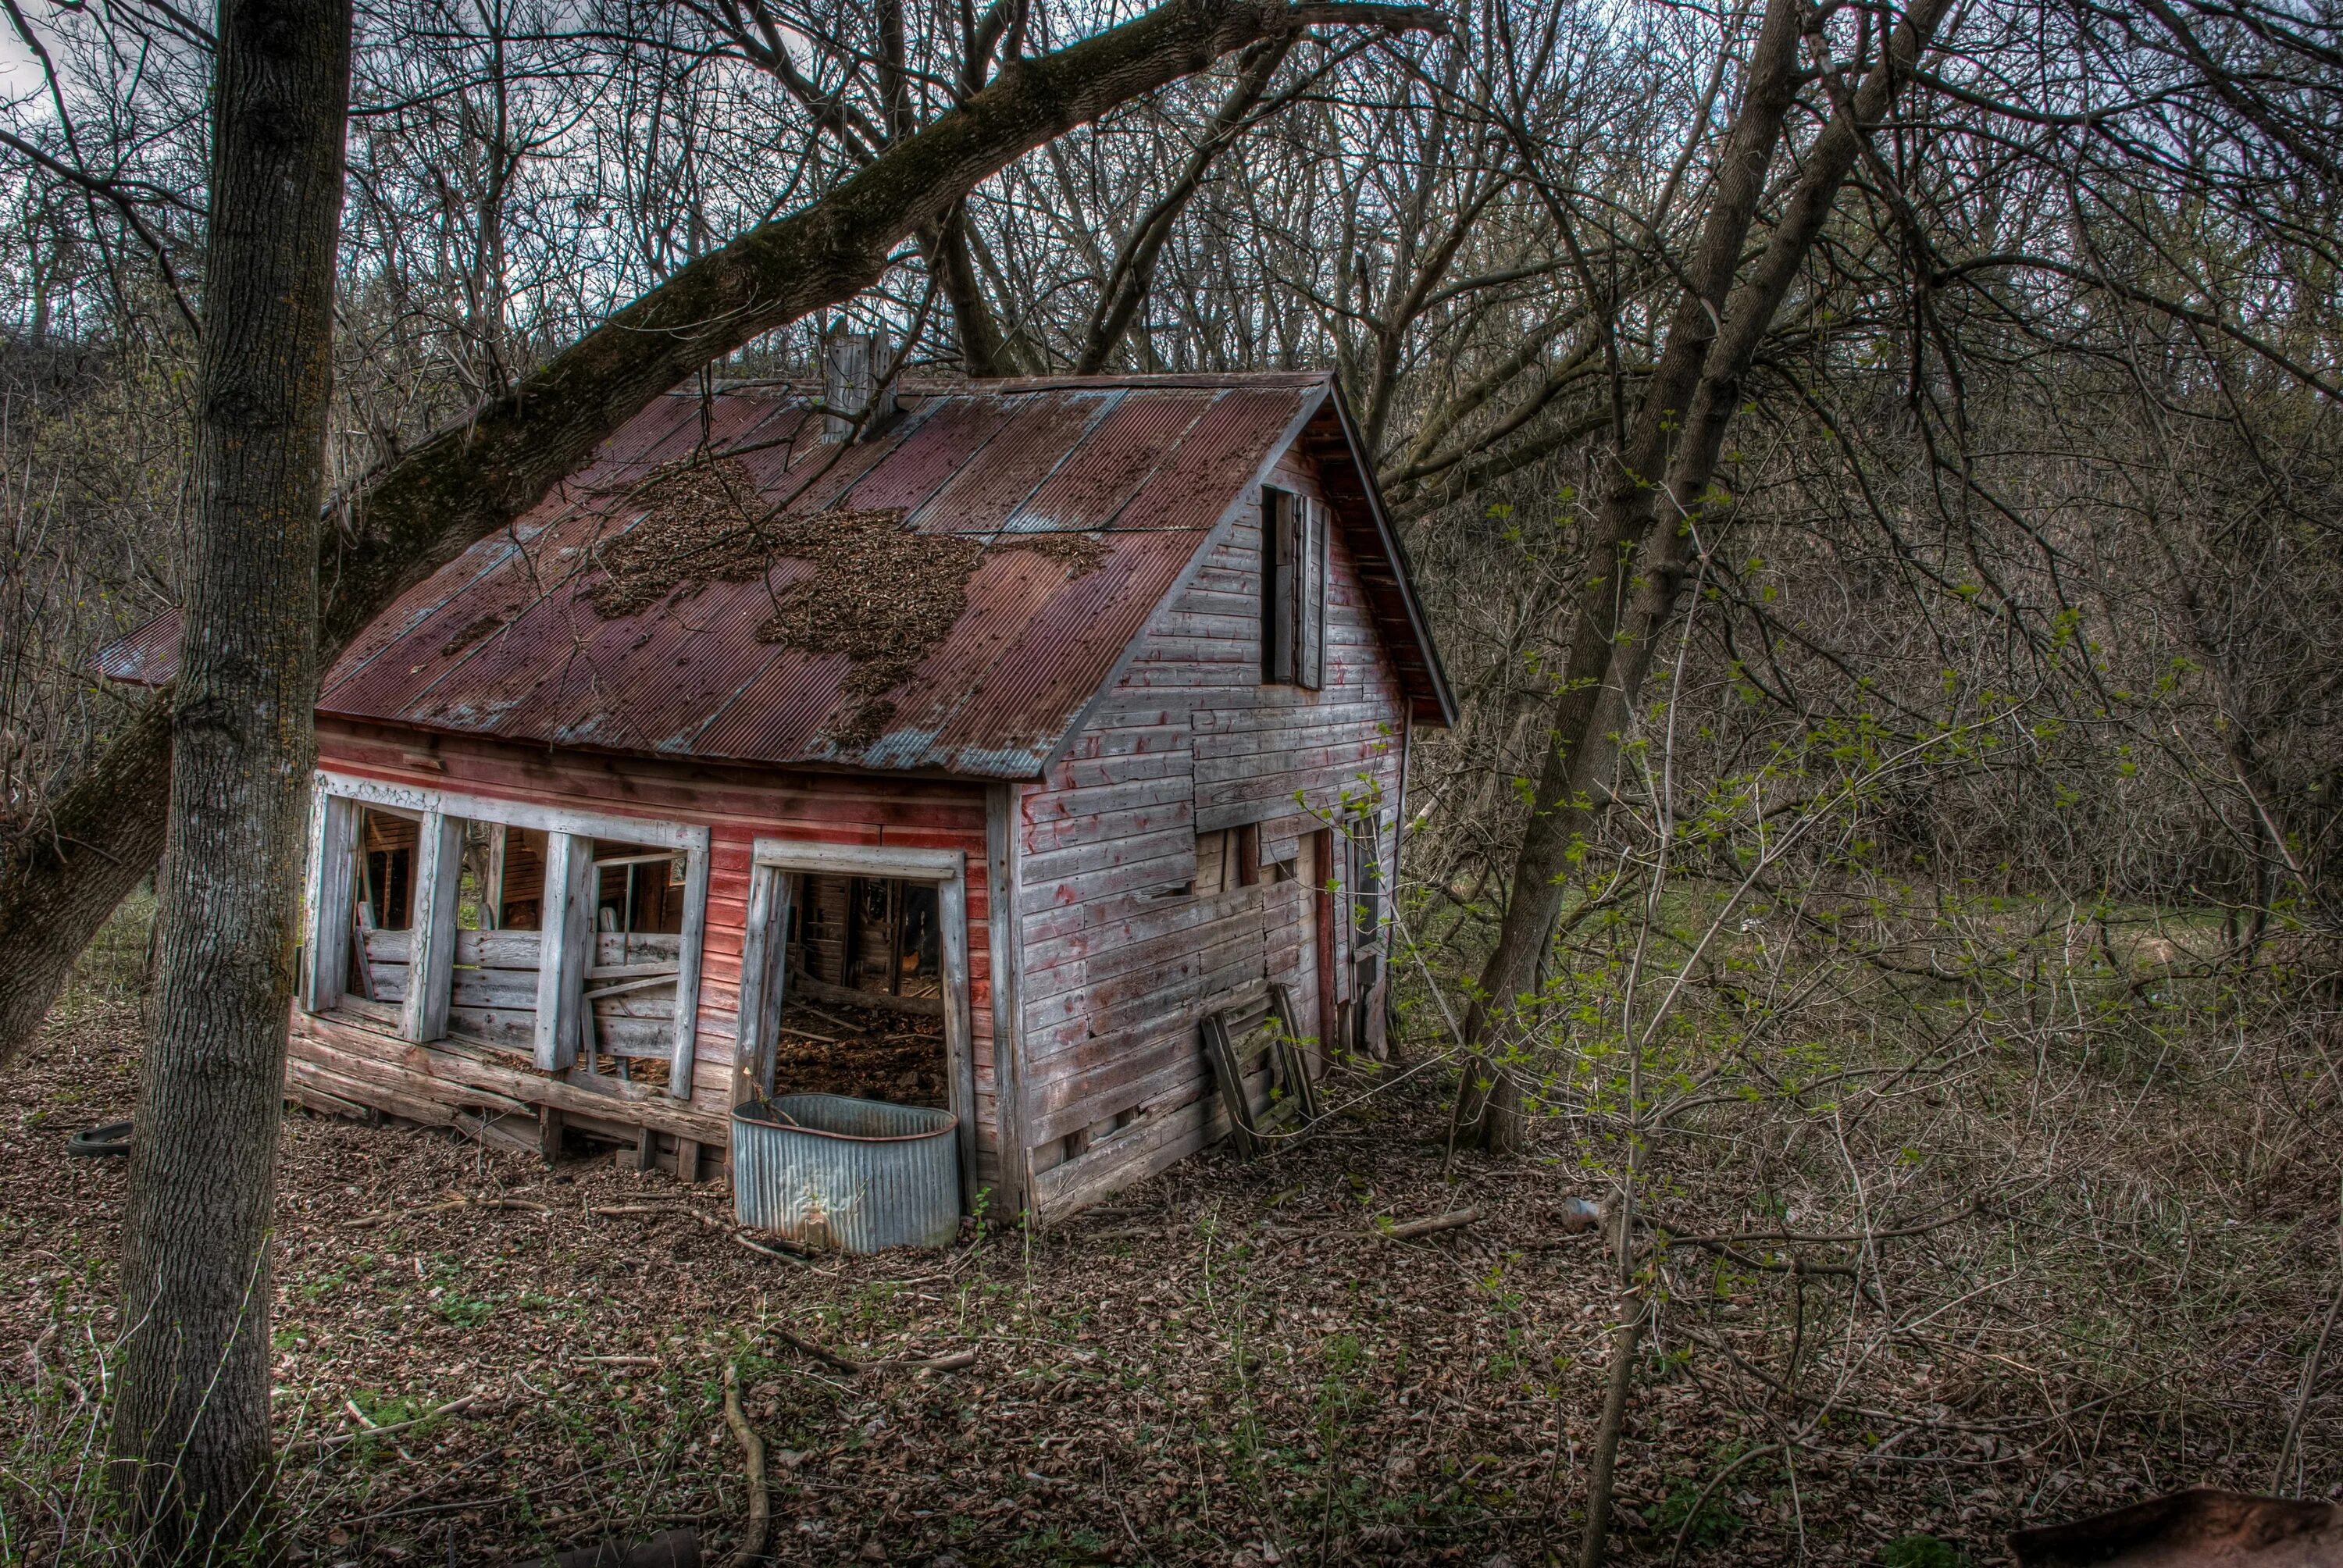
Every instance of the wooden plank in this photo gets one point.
(316, 1099)
(392, 1073)
(566, 913)
(1228, 1080)
(438, 859)
(511, 990)
(960, 1058)
(332, 868)
(513, 1029)
(685, 1022)
(763, 976)
(375, 1097)
(1171, 1136)
(913, 865)
(626, 950)
(548, 1134)
(506, 949)
(1002, 871)
(526, 813)
(389, 984)
(687, 1160)
(385, 947)
(492, 888)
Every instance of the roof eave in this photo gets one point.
(1433, 703)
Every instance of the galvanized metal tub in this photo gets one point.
(853, 1175)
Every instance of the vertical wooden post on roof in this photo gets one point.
(333, 889)
(431, 943)
(764, 948)
(959, 1054)
(686, 973)
(565, 947)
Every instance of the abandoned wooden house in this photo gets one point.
(973, 756)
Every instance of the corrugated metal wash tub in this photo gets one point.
(855, 1175)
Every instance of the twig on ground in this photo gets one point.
(821, 1354)
(768, 1249)
(679, 1207)
(953, 1361)
(1455, 1220)
(368, 1428)
(453, 1200)
(2302, 1394)
(752, 1458)
(1692, 1515)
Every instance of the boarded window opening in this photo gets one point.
(1227, 858)
(1292, 589)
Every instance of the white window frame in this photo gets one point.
(569, 864)
(764, 971)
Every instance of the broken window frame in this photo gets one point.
(764, 963)
(1293, 570)
(1235, 852)
(563, 957)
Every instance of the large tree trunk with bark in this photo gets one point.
(485, 469)
(191, 1417)
(1650, 527)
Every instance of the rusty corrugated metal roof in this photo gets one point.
(503, 641)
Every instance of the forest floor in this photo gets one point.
(1230, 1365)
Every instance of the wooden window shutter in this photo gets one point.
(1310, 634)
(1280, 566)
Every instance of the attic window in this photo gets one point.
(1292, 589)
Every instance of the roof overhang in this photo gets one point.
(1331, 439)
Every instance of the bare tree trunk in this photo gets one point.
(1626, 1339)
(1621, 615)
(983, 346)
(1557, 817)
(482, 471)
(191, 1420)
(59, 882)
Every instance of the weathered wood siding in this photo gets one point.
(737, 806)
(1118, 967)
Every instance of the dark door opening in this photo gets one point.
(862, 1006)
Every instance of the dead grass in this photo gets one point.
(1229, 1366)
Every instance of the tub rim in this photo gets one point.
(950, 1119)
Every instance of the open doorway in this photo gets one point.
(862, 1008)
(855, 980)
